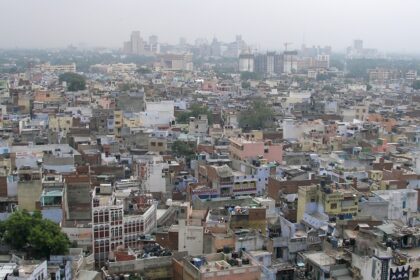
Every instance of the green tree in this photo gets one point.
(25, 231)
(17, 229)
(416, 84)
(194, 111)
(144, 70)
(322, 77)
(246, 85)
(46, 239)
(249, 76)
(258, 116)
(74, 81)
(183, 149)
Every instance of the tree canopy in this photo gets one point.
(258, 116)
(250, 76)
(416, 84)
(32, 233)
(74, 81)
(194, 111)
(144, 70)
(183, 149)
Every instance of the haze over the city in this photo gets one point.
(388, 25)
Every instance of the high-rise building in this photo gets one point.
(289, 62)
(182, 41)
(246, 63)
(358, 44)
(177, 62)
(138, 46)
(260, 63)
(322, 61)
(215, 48)
(153, 45)
(269, 63)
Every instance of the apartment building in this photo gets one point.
(243, 149)
(119, 221)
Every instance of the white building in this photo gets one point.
(402, 203)
(190, 238)
(119, 221)
(246, 63)
(151, 169)
(158, 113)
(289, 62)
(58, 68)
(30, 272)
(295, 130)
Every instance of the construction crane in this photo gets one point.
(287, 44)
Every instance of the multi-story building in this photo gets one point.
(177, 62)
(198, 126)
(218, 266)
(290, 62)
(118, 221)
(246, 63)
(381, 75)
(269, 63)
(243, 149)
(342, 203)
(58, 68)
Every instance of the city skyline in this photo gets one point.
(265, 26)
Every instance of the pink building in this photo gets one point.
(243, 149)
(107, 102)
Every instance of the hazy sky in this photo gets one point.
(389, 25)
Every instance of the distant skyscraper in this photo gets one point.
(136, 42)
(358, 44)
(269, 63)
(153, 45)
(138, 46)
(153, 39)
(290, 62)
(215, 48)
(246, 63)
(182, 41)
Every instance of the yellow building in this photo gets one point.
(24, 103)
(307, 195)
(329, 200)
(118, 122)
(29, 189)
(339, 201)
(132, 121)
(60, 123)
(376, 175)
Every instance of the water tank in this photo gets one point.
(197, 262)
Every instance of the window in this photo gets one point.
(333, 205)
